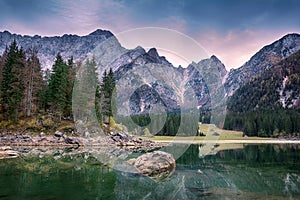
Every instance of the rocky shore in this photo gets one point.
(120, 140)
(114, 149)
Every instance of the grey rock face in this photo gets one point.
(169, 86)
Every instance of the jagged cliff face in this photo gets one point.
(48, 47)
(172, 87)
(208, 71)
(267, 57)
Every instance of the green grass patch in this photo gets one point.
(206, 129)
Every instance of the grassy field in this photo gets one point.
(218, 139)
(216, 135)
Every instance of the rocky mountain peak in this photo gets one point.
(139, 49)
(285, 46)
(153, 53)
(101, 32)
(214, 58)
(291, 36)
(221, 67)
(214, 63)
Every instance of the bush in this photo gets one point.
(113, 125)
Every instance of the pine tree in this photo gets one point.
(34, 81)
(249, 127)
(44, 93)
(85, 87)
(12, 82)
(97, 103)
(106, 100)
(2, 64)
(58, 86)
(70, 84)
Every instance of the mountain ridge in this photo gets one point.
(266, 57)
(68, 45)
(277, 87)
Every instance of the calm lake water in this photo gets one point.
(252, 172)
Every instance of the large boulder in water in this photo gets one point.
(158, 165)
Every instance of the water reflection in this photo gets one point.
(243, 172)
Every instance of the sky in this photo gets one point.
(233, 30)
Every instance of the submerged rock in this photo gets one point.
(158, 165)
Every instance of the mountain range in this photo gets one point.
(193, 76)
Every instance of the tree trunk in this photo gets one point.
(16, 115)
(29, 93)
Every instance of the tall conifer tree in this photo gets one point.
(12, 82)
(58, 86)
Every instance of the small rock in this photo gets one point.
(139, 140)
(7, 152)
(87, 134)
(26, 137)
(116, 138)
(5, 148)
(3, 134)
(43, 140)
(129, 144)
(69, 140)
(42, 134)
(58, 134)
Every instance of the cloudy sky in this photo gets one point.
(233, 30)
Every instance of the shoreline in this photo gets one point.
(16, 149)
(162, 141)
(238, 141)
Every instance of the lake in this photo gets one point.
(269, 171)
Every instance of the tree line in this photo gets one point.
(170, 124)
(21, 81)
(26, 90)
(265, 123)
